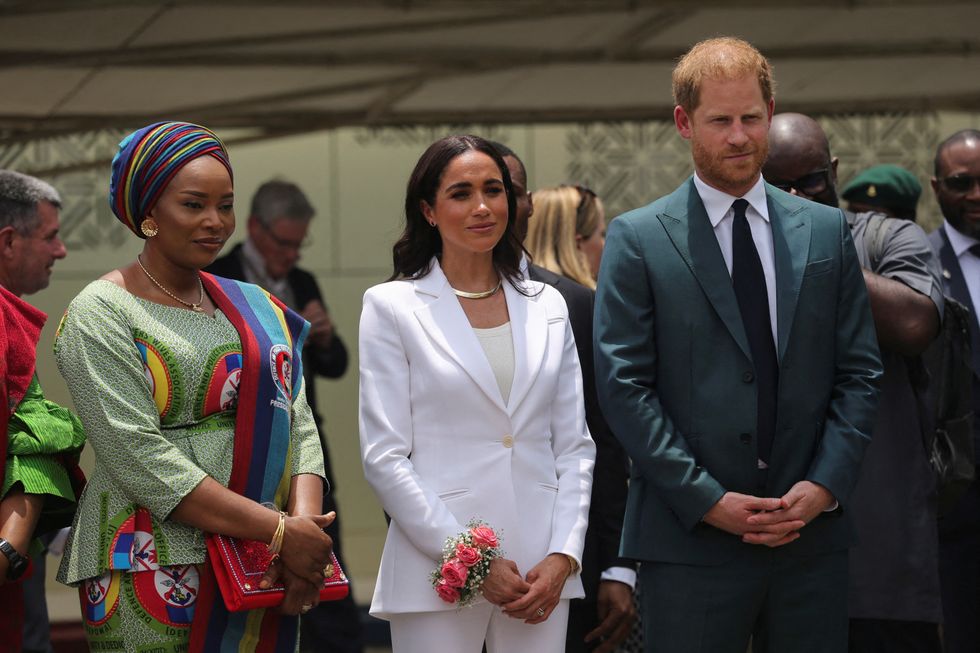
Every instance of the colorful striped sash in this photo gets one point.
(272, 373)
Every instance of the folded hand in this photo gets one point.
(547, 578)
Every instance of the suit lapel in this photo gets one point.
(791, 248)
(529, 325)
(958, 290)
(689, 229)
(445, 322)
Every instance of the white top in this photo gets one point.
(440, 447)
(969, 263)
(718, 205)
(498, 345)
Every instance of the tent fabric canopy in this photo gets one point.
(291, 67)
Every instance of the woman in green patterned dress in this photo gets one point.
(154, 366)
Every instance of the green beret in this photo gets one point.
(885, 185)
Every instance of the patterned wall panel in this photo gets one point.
(86, 221)
(422, 136)
(629, 164)
(904, 139)
(632, 164)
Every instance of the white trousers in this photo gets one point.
(464, 631)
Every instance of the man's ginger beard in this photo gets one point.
(718, 172)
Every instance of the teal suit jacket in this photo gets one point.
(676, 381)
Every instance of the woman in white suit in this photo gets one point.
(471, 408)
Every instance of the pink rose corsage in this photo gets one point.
(465, 564)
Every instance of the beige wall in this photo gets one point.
(356, 179)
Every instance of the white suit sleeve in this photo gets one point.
(574, 457)
(387, 435)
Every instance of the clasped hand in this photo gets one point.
(770, 521)
(321, 327)
(306, 550)
(531, 598)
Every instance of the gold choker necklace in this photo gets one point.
(477, 295)
(194, 307)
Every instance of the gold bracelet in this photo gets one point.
(275, 546)
(572, 564)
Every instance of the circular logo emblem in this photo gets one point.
(157, 375)
(133, 546)
(222, 389)
(281, 360)
(144, 552)
(169, 594)
(100, 598)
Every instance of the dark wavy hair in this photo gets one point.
(419, 242)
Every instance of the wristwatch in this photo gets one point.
(18, 563)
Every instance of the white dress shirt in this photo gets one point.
(718, 205)
(969, 262)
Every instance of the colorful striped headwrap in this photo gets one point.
(149, 158)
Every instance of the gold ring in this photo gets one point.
(328, 570)
(539, 612)
(306, 608)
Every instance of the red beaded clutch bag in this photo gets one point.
(240, 564)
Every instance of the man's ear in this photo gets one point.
(833, 170)
(254, 226)
(530, 204)
(932, 182)
(7, 235)
(682, 121)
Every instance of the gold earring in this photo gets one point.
(149, 228)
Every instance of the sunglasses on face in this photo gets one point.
(809, 184)
(959, 184)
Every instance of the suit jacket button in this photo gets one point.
(748, 377)
(746, 438)
(508, 441)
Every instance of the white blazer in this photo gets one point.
(440, 447)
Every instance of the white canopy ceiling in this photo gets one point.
(293, 66)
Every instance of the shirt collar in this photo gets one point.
(256, 273)
(717, 204)
(960, 241)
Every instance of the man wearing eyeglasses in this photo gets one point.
(957, 242)
(893, 585)
(278, 226)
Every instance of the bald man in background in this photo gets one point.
(893, 589)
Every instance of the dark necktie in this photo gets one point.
(749, 281)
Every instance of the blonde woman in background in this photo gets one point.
(568, 232)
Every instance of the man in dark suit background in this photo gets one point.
(278, 224)
(736, 361)
(957, 241)
(603, 618)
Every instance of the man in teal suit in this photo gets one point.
(736, 360)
